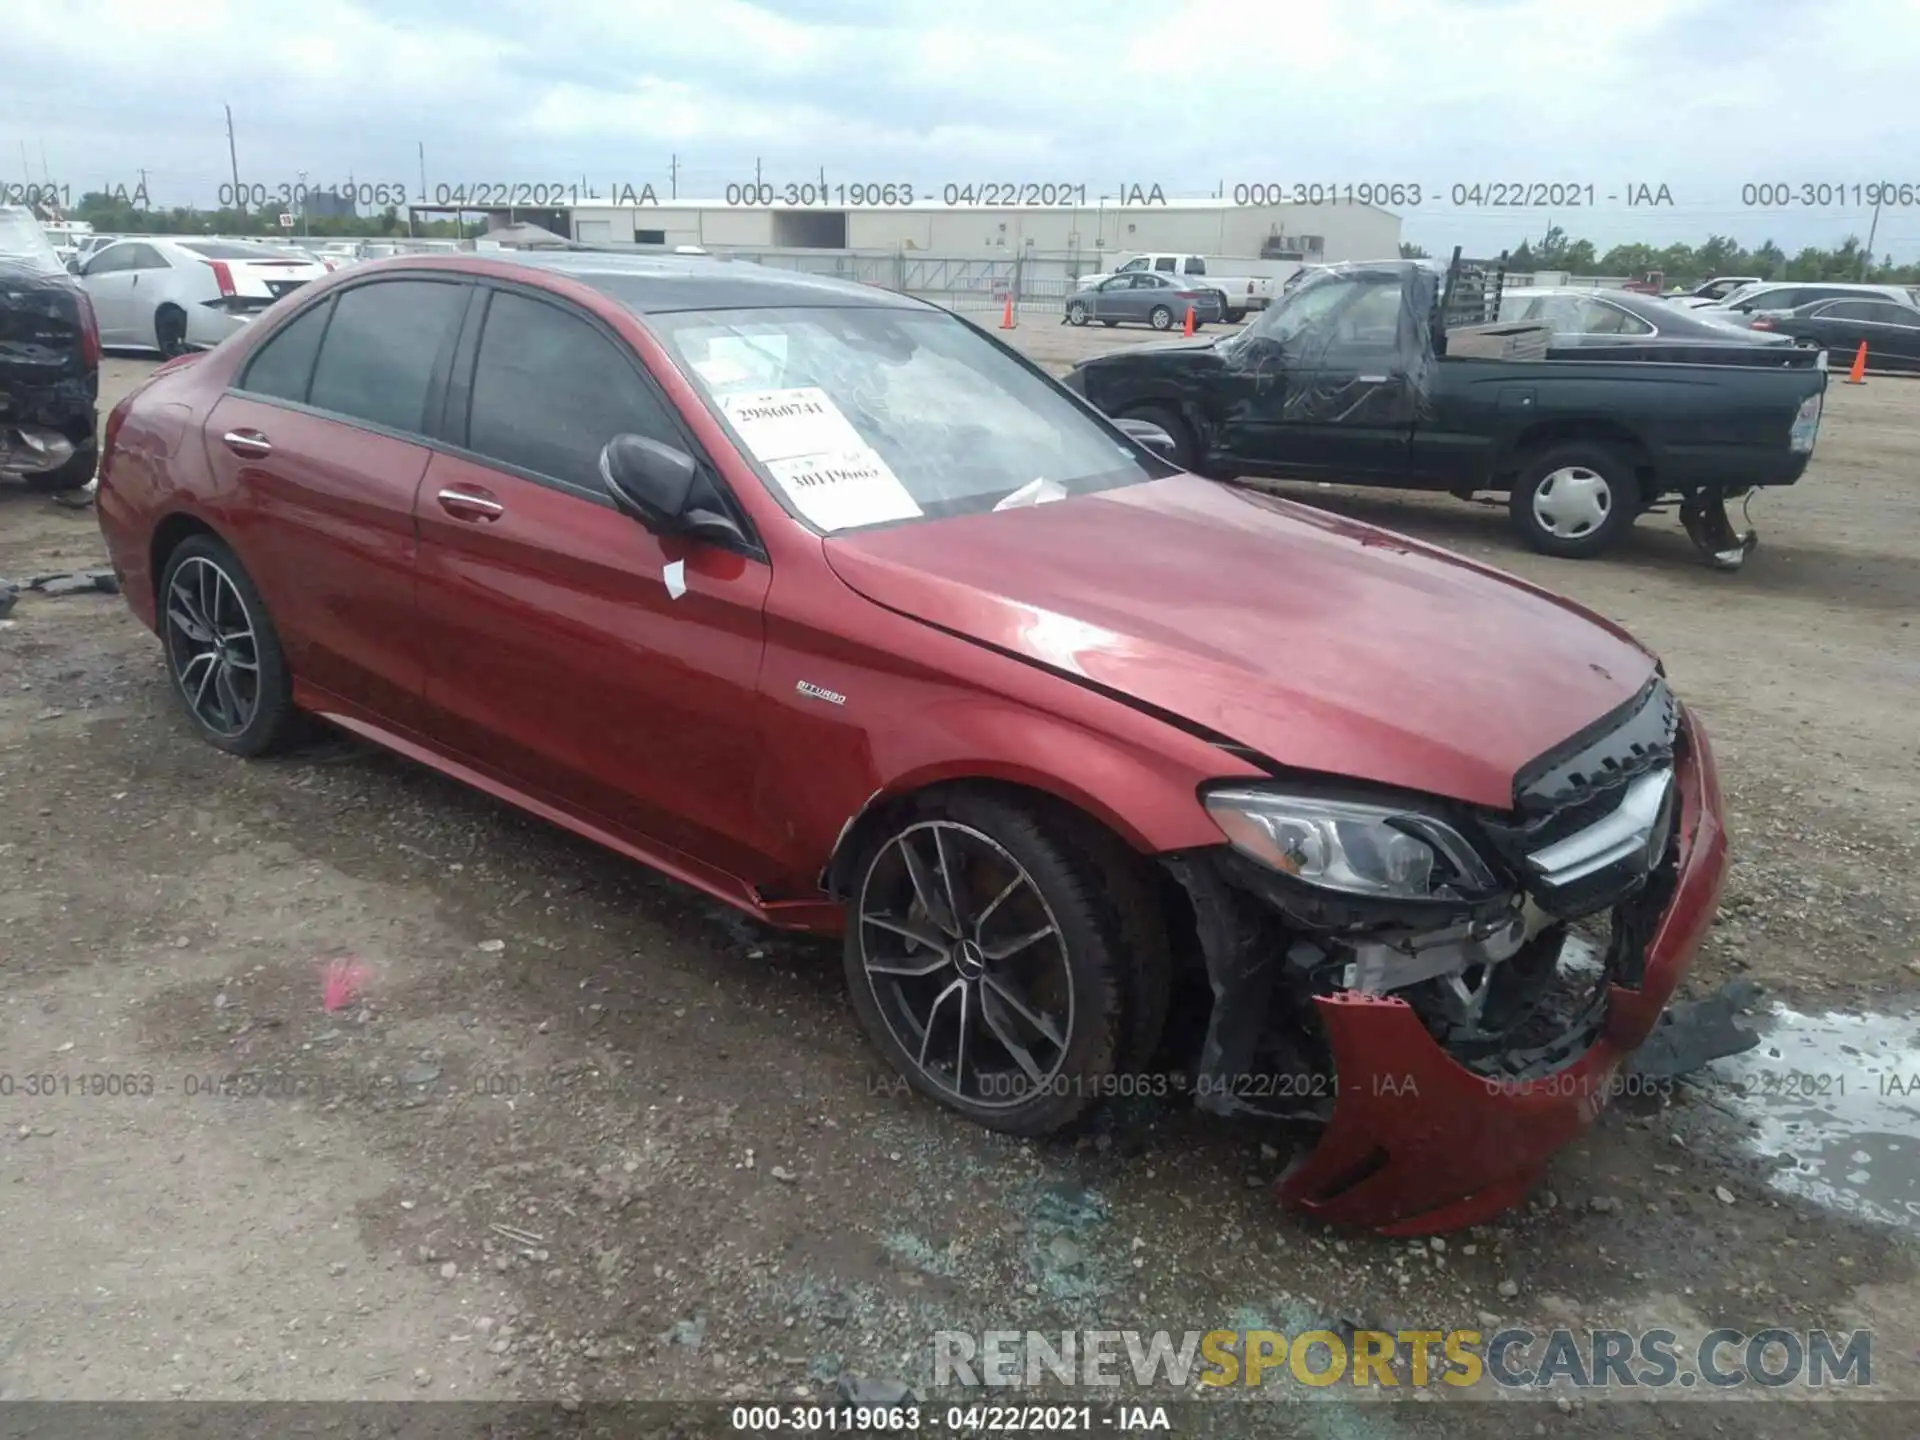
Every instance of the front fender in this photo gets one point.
(847, 732)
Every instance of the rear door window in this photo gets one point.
(283, 367)
(549, 391)
(376, 364)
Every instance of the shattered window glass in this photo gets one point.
(960, 424)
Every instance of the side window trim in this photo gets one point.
(456, 430)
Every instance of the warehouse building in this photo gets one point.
(1034, 250)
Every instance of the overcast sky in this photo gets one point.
(1701, 95)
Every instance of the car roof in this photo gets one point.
(663, 284)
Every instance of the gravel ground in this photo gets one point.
(578, 1132)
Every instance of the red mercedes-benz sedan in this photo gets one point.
(830, 604)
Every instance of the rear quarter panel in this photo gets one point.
(156, 467)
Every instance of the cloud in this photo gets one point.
(1704, 95)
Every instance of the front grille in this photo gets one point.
(1583, 784)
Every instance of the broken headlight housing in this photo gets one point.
(1352, 847)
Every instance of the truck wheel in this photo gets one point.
(1161, 318)
(1110, 323)
(1574, 500)
(1233, 317)
(1186, 453)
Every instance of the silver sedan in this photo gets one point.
(173, 295)
(1143, 297)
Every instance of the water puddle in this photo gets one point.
(1838, 1097)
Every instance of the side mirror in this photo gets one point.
(655, 484)
(1145, 432)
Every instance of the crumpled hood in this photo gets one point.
(1323, 644)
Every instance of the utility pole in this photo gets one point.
(233, 159)
(1866, 256)
(306, 208)
(756, 178)
(673, 177)
(421, 145)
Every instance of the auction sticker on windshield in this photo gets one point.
(832, 476)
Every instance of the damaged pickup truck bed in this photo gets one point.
(49, 362)
(1106, 773)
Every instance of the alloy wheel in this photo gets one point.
(967, 964)
(212, 646)
(1572, 501)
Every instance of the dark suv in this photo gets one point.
(49, 362)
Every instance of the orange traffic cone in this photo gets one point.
(1006, 320)
(1858, 375)
(1189, 327)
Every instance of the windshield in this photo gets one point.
(862, 416)
(23, 242)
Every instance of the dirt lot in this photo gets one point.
(725, 1196)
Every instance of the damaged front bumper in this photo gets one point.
(1425, 1126)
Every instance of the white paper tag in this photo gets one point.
(837, 492)
(780, 424)
(676, 577)
(834, 478)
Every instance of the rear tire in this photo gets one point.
(229, 670)
(170, 331)
(1077, 314)
(1574, 500)
(69, 477)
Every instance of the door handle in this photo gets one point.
(246, 442)
(470, 504)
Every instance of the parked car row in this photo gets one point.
(912, 644)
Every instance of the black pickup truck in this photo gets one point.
(1349, 377)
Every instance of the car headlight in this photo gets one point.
(1381, 851)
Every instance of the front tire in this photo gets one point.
(1160, 317)
(986, 962)
(1574, 500)
(229, 670)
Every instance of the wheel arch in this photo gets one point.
(1070, 805)
(1566, 430)
(169, 534)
